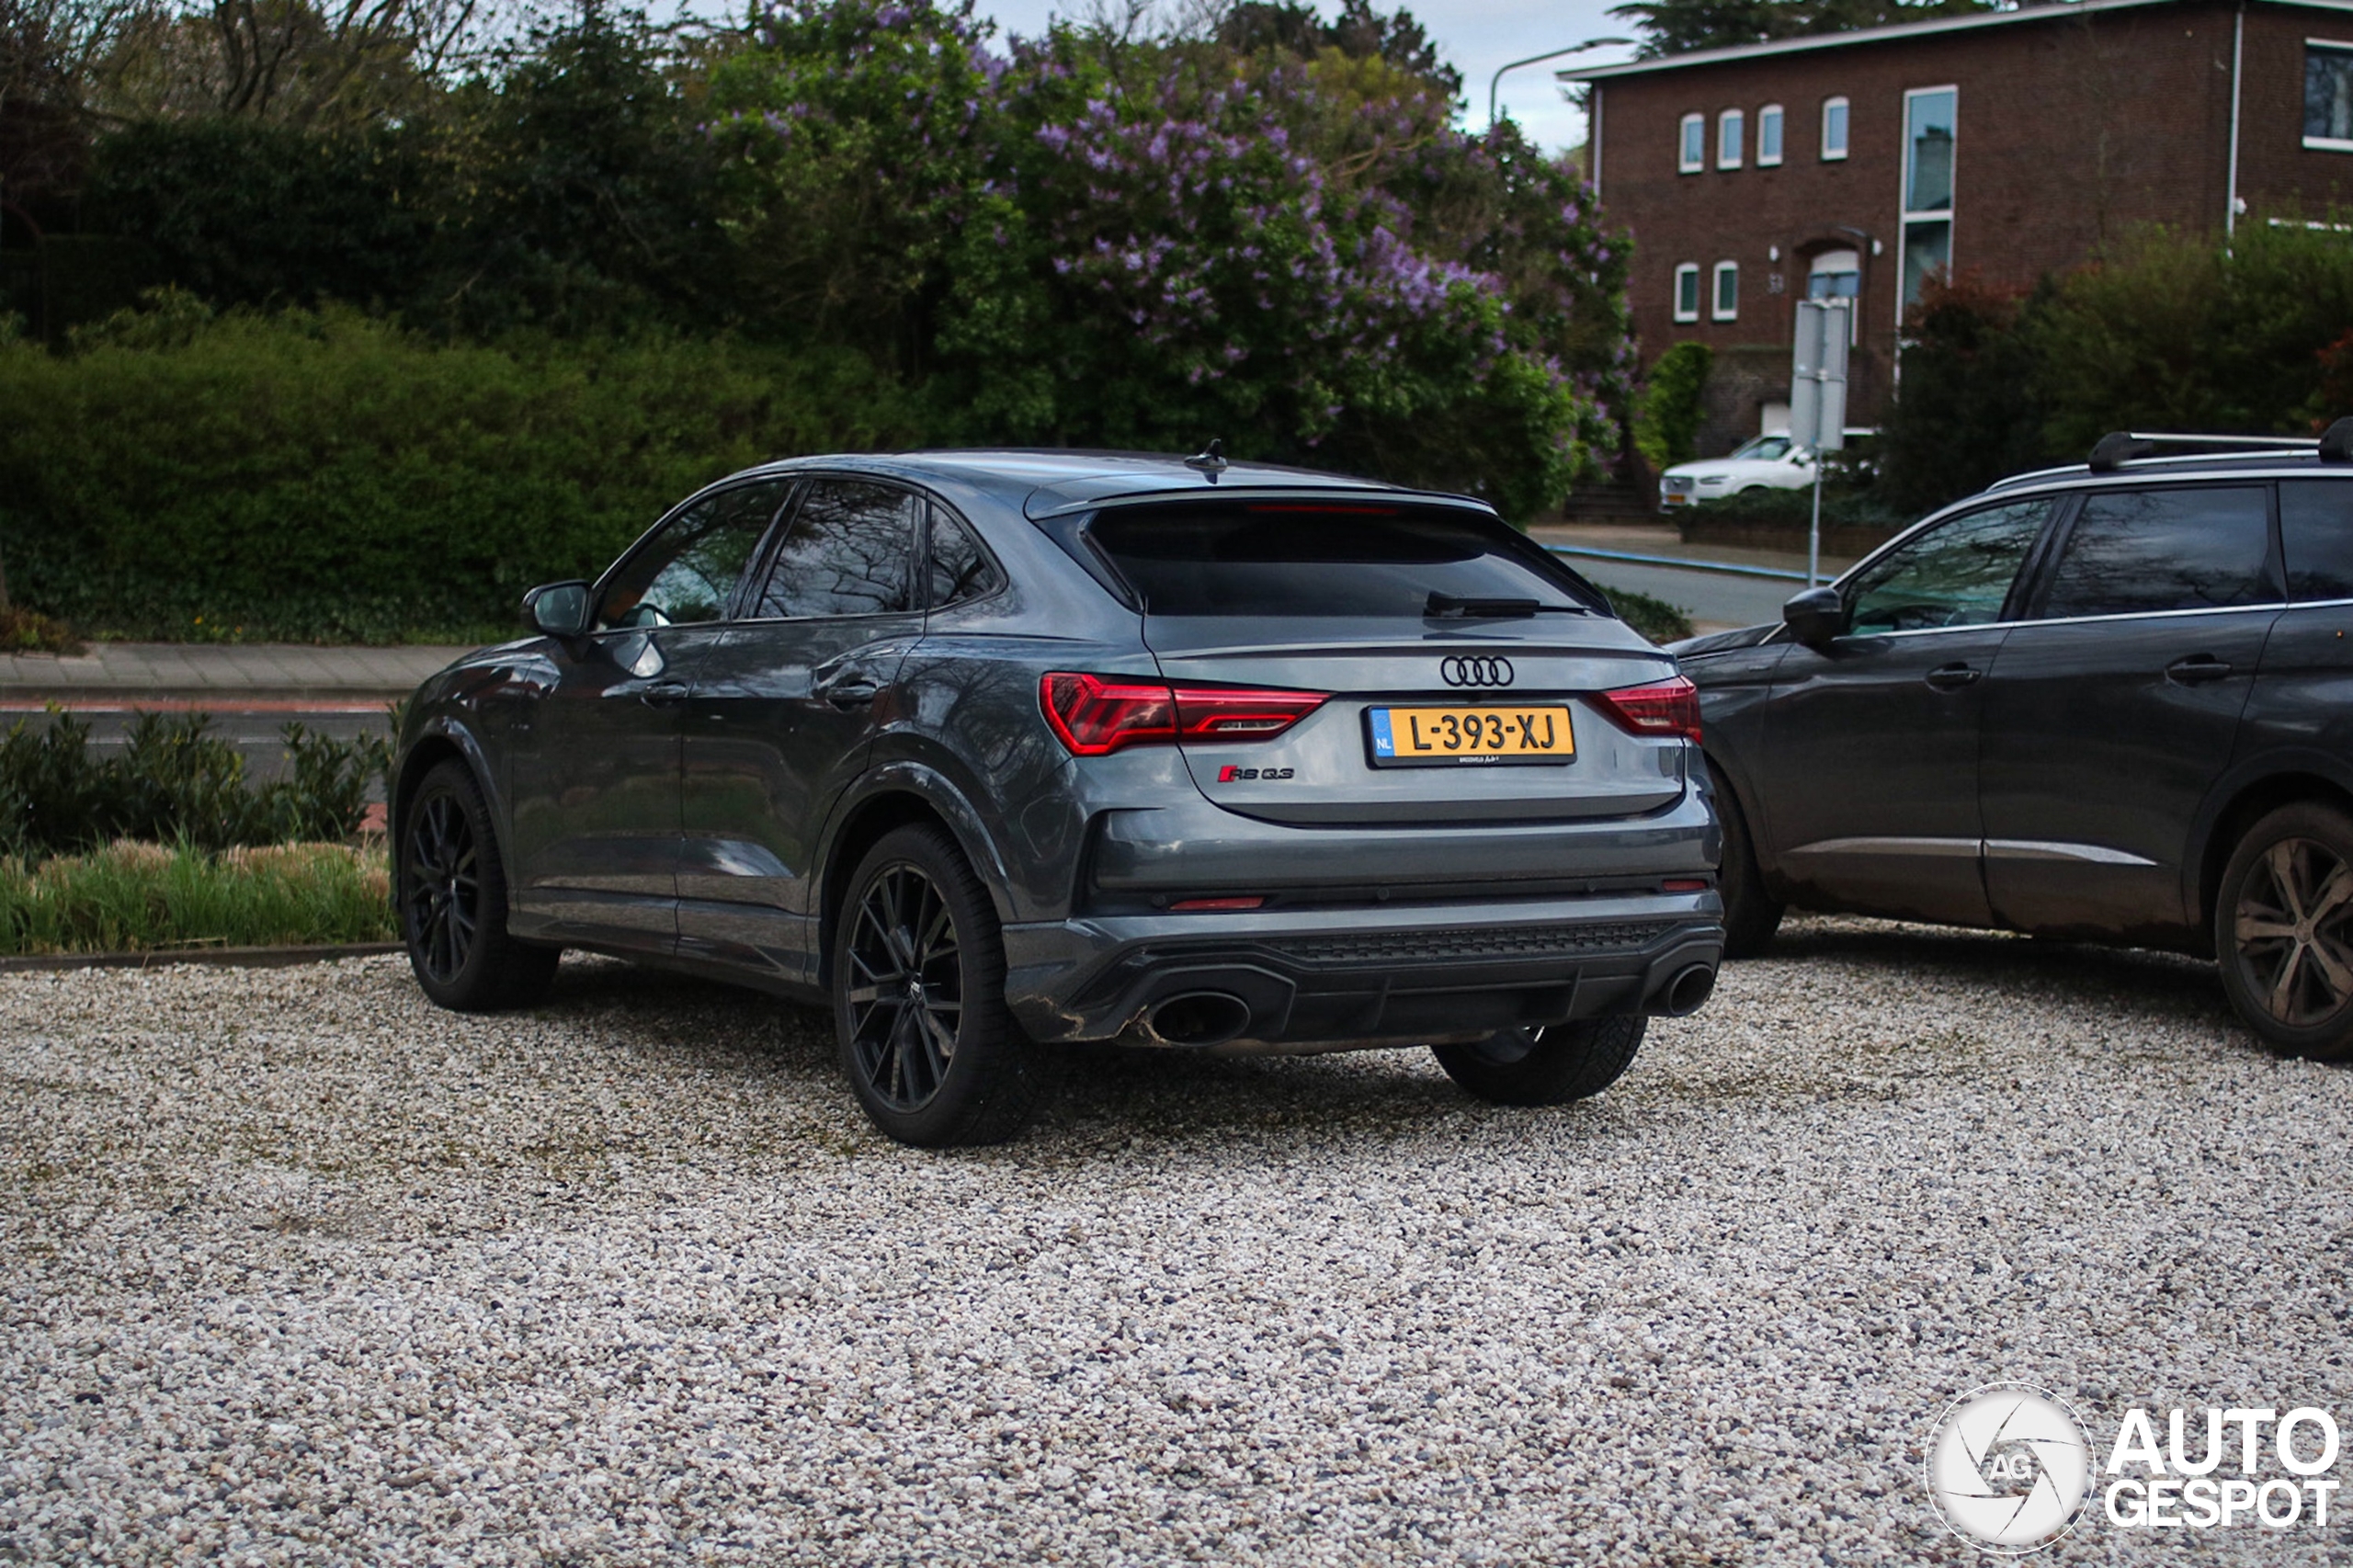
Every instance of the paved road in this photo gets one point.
(1712, 600)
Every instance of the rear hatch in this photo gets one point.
(1463, 674)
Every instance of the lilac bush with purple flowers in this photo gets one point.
(1079, 241)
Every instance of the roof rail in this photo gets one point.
(2121, 446)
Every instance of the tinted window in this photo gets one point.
(847, 553)
(1958, 574)
(686, 572)
(960, 570)
(1323, 560)
(2316, 532)
(2136, 552)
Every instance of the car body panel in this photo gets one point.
(2094, 760)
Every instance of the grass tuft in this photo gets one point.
(133, 896)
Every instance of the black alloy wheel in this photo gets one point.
(444, 887)
(452, 901)
(906, 990)
(2284, 930)
(919, 1012)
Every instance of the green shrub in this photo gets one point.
(2171, 331)
(131, 896)
(1668, 411)
(1792, 510)
(1971, 409)
(330, 477)
(174, 782)
(1655, 618)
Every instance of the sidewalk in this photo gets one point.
(248, 675)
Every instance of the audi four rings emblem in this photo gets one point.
(1475, 672)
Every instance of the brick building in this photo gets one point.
(2010, 144)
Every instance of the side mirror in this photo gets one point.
(560, 609)
(1816, 616)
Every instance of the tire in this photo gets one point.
(2283, 930)
(1751, 914)
(938, 1062)
(453, 899)
(1550, 1066)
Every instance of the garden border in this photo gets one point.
(227, 957)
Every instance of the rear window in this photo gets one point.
(1325, 559)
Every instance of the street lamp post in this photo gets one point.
(1539, 59)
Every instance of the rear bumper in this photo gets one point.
(1315, 980)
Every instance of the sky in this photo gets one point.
(1474, 36)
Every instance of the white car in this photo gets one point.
(1768, 462)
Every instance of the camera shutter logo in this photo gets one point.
(2008, 1467)
(1475, 671)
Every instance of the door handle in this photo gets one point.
(852, 690)
(2195, 670)
(1952, 677)
(662, 694)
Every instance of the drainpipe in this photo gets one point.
(1592, 142)
(2238, 54)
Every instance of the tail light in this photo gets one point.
(1666, 708)
(1095, 715)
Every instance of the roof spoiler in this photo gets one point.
(2121, 446)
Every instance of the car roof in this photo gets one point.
(1044, 482)
(2192, 465)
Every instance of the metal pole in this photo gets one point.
(1814, 535)
(1497, 80)
(2238, 55)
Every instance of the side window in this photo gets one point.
(959, 569)
(850, 552)
(2138, 551)
(1956, 575)
(2316, 532)
(687, 572)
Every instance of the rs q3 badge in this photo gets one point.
(1230, 774)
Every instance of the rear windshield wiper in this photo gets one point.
(1450, 606)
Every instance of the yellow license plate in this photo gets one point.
(1409, 737)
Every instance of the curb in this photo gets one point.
(211, 699)
(223, 958)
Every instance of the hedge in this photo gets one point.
(327, 476)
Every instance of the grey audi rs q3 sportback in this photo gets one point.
(992, 749)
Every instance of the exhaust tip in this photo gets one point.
(1683, 995)
(1197, 1017)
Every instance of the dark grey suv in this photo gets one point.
(996, 748)
(2111, 701)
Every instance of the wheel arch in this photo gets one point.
(2240, 808)
(440, 742)
(901, 796)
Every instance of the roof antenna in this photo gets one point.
(1209, 462)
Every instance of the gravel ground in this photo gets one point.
(294, 1268)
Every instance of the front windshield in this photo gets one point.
(1766, 448)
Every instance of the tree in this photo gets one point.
(1674, 27)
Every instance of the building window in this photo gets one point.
(2328, 94)
(1727, 300)
(1728, 129)
(1687, 292)
(1928, 122)
(1768, 135)
(1691, 150)
(1833, 129)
